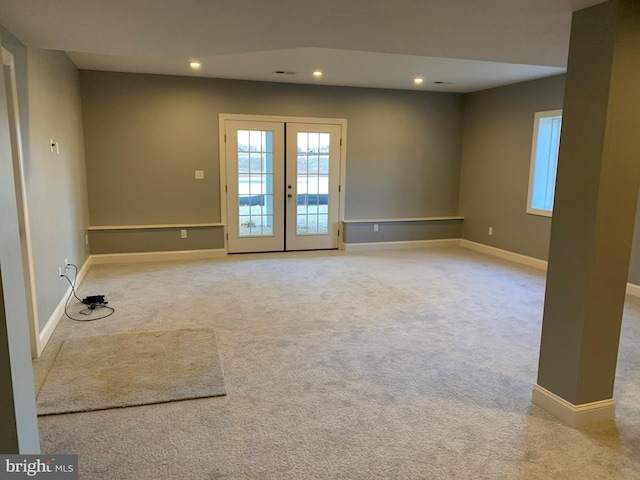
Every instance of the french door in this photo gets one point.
(282, 183)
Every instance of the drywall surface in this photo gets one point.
(56, 182)
(496, 155)
(146, 134)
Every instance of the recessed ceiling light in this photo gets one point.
(317, 73)
(195, 65)
(418, 80)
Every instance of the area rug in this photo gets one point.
(113, 371)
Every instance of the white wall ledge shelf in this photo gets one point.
(400, 220)
(145, 227)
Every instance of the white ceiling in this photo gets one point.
(468, 44)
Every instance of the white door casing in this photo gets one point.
(261, 211)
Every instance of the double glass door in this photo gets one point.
(282, 185)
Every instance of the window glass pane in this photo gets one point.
(302, 143)
(267, 142)
(314, 142)
(313, 182)
(256, 226)
(313, 164)
(243, 162)
(312, 224)
(267, 204)
(323, 223)
(256, 163)
(255, 141)
(268, 163)
(302, 184)
(267, 225)
(302, 164)
(324, 142)
(301, 226)
(323, 184)
(255, 182)
(545, 157)
(323, 164)
(243, 140)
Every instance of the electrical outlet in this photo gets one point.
(199, 174)
(66, 263)
(60, 272)
(375, 227)
(183, 234)
(490, 231)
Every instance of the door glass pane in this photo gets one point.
(255, 183)
(312, 183)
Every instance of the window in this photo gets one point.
(544, 162)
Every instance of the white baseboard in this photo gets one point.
(157, 256)
(633, 289)
(575, 416)
(372, 246)
(58, 312)
(504, 254)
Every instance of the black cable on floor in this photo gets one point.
(86, 311)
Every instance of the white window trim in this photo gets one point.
(532, 165)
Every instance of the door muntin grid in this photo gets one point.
(255, 183)
(312, 192)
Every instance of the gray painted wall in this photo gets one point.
(49, 102)
(155, 240)
(21, 434)
(56, 184)
(496, 153)
(146, 134)
(402, 231)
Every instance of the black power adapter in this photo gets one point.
(94, 301)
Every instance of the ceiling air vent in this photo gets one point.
(284, 72)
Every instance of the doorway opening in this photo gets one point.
(282, 182)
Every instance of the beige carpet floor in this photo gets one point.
(383, 365)
(131, 369)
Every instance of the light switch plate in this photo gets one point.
(199, 174)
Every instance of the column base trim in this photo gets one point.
(575, 416)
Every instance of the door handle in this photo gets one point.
(289, 187)
(289, 195)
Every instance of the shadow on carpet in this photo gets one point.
(131, 369)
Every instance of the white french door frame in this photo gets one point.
(224, 117)
(21, 202)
